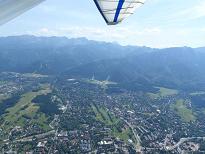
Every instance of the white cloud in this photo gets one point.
(152, 30)
(123, 35)
(195, 12)
(159, 23)
(152, 37)
(44, 30)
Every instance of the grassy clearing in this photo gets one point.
(100, 82)
(117, 126)
(181, 109)
(124, 135)
(103, 84)
(163, 92)
(104, 116)
(25, 111)
(167, 92)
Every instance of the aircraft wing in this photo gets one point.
(115, 11)
(9, 9)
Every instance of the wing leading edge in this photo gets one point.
(115, 11)
(9, 9)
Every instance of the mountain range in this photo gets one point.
(181, 67)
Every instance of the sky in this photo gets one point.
(158, 24)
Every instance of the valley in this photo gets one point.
(81, 117)
(82, 96)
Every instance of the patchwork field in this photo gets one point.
(180, 107)
(24, 111)
(163, 92)
(119, 130)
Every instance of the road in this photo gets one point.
(138, 147)
(39, 136)
(182, 140)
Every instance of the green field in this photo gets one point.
(25, 111)
(163, 92)
(181, 109)
(103, 84)
(104, 116)
(124, 135)
(115, 123)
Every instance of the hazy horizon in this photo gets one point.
(101, 41)
(173, 23)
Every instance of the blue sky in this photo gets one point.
(159, 23)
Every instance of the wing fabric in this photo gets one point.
(9, 9)
(115, 11)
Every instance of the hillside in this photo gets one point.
(179, 68)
